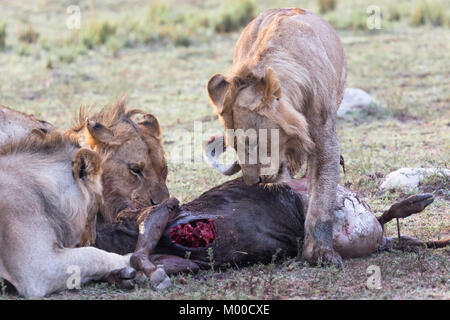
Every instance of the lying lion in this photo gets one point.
(134, 168)
(15, 125)
(49, 185)
(133, 159)
(242, 224)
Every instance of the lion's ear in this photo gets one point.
(150, 124)
(86, 165)
(40, 132)
(218, 87)
(96, 133)
(272, 85)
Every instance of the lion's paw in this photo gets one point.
(316, 254)
(124, 278)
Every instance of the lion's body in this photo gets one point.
(15, 125)
(288, 74)
(48, 185)
(125, 143)
(307, 58)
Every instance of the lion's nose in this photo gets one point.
(252, 181)
(159, 195)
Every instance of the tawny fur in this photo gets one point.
(15, 124)
(48, 187)
(133, 159)
(289, 73)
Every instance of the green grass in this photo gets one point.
(2, 36)
(163, 24)
(235, 15)
(429, 11)
(28, 35)
(406, 68)
(326, 5)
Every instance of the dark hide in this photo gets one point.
(251, 224)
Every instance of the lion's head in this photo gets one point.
(133, 160)
(247, 103)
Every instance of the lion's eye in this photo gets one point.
(135, 168)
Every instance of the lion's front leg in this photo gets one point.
(323, 176)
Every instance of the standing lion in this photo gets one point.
(288, 74)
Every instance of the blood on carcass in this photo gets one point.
(194, 234)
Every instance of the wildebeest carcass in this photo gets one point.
(236, 224)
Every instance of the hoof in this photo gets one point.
(139, 260)
(406, 244)
(159, 279)
(411, 205)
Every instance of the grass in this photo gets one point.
(163, 24)
(2, 36)
(326, 5)
(429, 11)
(235, 15)
(29, 35)
(404, 67)
(97, 33)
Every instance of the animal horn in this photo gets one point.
(213, 149)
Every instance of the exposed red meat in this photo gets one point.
(195, 234)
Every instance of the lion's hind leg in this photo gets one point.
(26, 261)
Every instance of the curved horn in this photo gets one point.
(213, 149)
